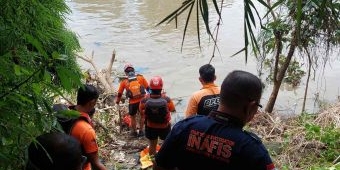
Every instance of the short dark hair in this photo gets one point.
(54, 151)
(156, 91)
(207, 73)
(86, 93)
(240, 87)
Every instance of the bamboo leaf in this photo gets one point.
(57, 56)
(245, 39)
(216, 8)
(252, 37)
(273, 7)
(36, 88)
(179, 13)
(298, 18)
(257, 13)
(68, 113)
(47, 105)
(174, 14)
(243, 49)
(250, 14)
(56, 90)
(17, 70)
(47, 77)
(205, 15)
(64, 78)
(186, 23)
(36, 44)
(198, 26)
(263, 3)
(23, 99)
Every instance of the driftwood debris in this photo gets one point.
(104, 76)
(102, 79)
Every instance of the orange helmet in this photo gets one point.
(156, 83)
(127, 66)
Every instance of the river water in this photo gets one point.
(128, 27)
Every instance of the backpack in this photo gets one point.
(67, 116)
(156, 109)
(134, 88)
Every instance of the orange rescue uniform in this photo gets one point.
(84, 132)
(124, 86)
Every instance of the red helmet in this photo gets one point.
(128, 65)
(156, 83)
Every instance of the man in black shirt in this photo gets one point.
(218, 141)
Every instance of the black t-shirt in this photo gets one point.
(208, 103)
(213, 142)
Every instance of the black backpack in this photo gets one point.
(156, 109)
(67, 116)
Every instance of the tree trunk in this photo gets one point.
(272, 98)
(307, 81)
(270, 105)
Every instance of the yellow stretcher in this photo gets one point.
(145, 159)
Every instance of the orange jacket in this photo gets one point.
(124, 85)
(171, 108)
(85, 134)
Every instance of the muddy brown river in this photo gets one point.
(128, 26)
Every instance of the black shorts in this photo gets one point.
(133, 108)
(154, 133)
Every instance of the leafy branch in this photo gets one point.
(202, 9)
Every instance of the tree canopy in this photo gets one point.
(306, 25)
(37, 63)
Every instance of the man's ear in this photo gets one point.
(253, 105)
(201, 80)
(249, 107)
(250, 110)
(92, 102)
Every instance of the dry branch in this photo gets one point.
(104, 75)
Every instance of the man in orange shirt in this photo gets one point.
(83, 129)
(155, 108)
(207, 98)
(136, 87)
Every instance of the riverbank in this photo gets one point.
(302, 142)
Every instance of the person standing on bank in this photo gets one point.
(156, 110)
(136, 87)
(83, 129)
(218, 141)
(206, 99)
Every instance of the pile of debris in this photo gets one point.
(287, 140)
